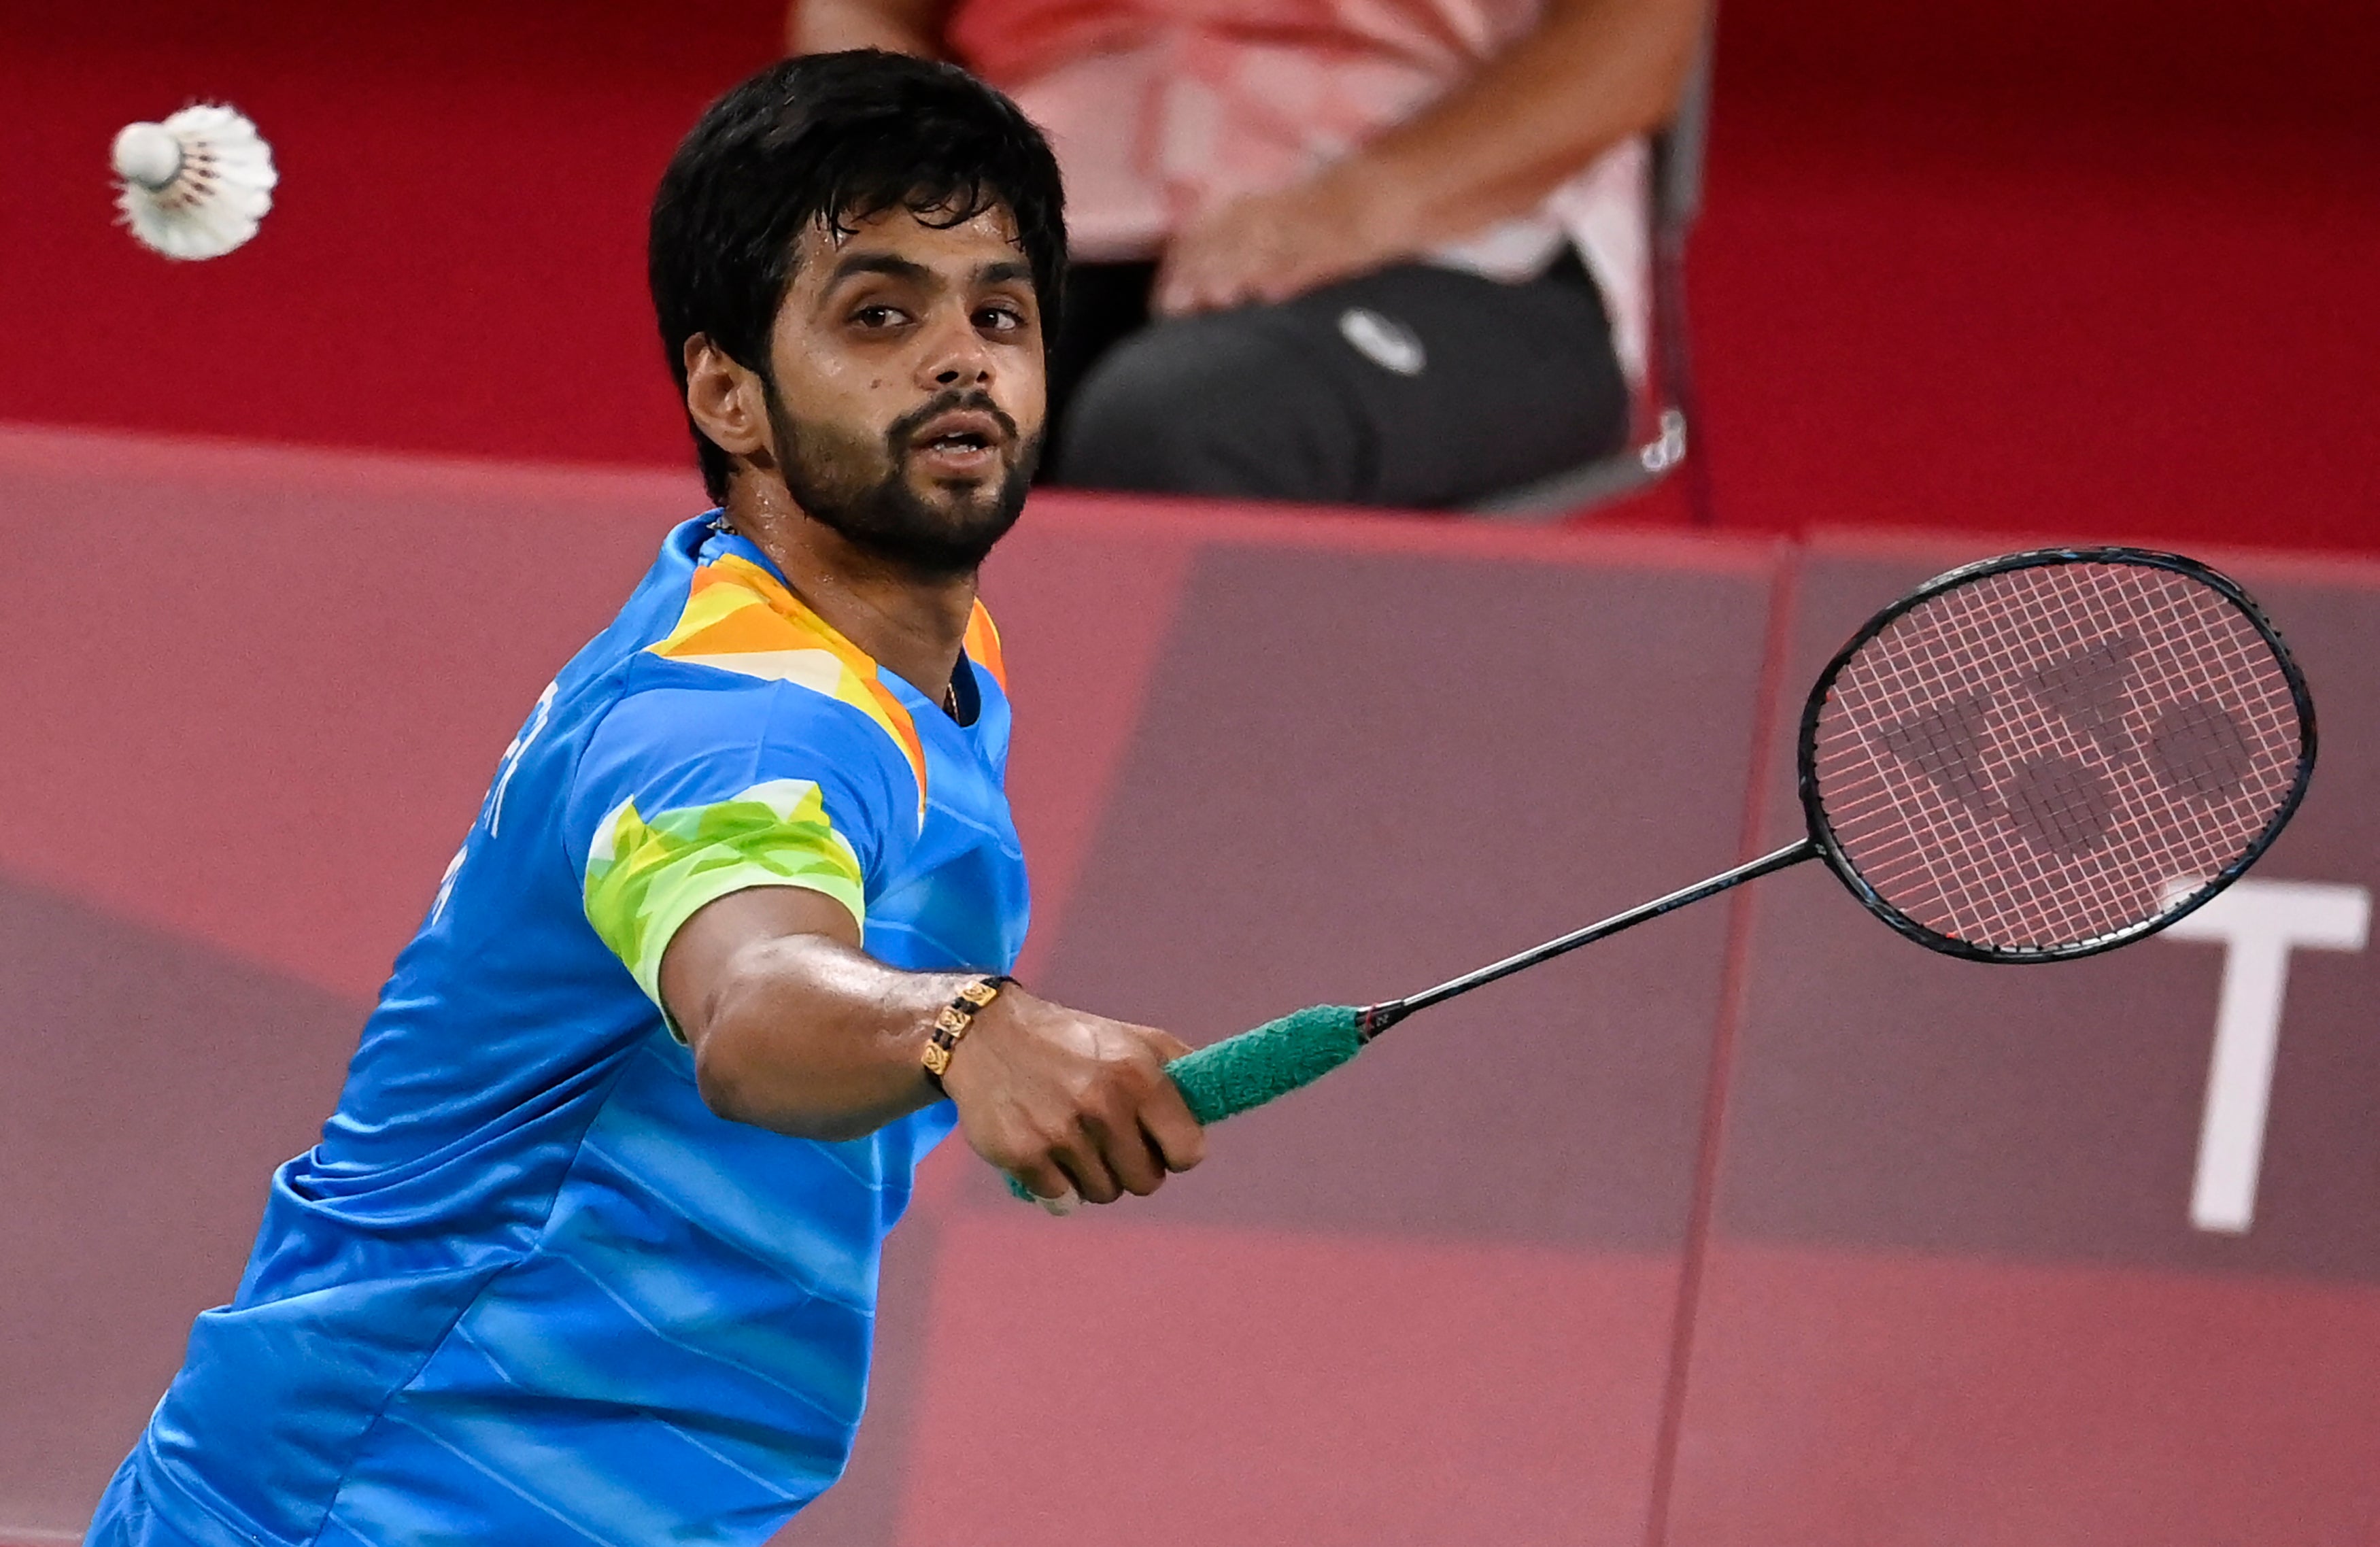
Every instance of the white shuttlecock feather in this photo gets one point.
(197, 185)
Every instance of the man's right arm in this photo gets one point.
(794, 1029)
(896, 26)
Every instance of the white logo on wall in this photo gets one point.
(1384, 341)
(2258, 923)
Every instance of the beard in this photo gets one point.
(861, 489)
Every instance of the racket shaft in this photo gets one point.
(1239, 1073)
(1792, 854)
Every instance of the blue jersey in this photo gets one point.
(529, 1289)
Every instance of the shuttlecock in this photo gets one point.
(197, 185)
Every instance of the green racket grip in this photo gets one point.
(1240, 1073)
(1223, 1079)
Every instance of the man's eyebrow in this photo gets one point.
(1003, 272)
(889, 263)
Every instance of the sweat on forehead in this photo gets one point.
(936, 210)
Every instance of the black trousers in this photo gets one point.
(1414, 386)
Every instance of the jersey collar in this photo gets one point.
(966, 687)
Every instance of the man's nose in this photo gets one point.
(955, 356)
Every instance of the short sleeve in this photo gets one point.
(686, 794)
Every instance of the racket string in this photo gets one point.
(2026, 762)
(2049, 744)
(2034, 751)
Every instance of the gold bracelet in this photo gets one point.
(953, 1022)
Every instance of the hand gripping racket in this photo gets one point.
(2030, 759)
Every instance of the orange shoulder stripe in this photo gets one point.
(738, 618)
(982, 646)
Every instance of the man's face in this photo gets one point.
(909, 393)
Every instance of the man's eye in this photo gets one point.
(877, 316)
(1001, 318)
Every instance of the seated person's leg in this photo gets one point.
(1416, 386)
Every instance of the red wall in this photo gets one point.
(1757, 1226)
(2102, 264)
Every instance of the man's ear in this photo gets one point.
(727, 400)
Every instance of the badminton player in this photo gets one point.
(588, 1252)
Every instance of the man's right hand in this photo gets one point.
(794, 1029)
(1072, 1103)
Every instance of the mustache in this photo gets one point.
(973, 398)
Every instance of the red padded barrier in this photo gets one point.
(1859, 1398)
(1949, 1286)
(1953, 1288)
(1359, 1391)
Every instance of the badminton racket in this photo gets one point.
(2030, 759)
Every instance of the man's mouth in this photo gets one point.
(963, 441)
(960, 433)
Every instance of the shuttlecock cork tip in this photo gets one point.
(147, 155)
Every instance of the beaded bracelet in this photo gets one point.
(953, 1022)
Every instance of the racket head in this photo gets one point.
(2052, 753)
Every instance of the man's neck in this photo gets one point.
(910, 624)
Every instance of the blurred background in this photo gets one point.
(1755, 1227)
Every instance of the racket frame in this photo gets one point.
(1822, 832)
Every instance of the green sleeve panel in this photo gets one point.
(646, 876)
